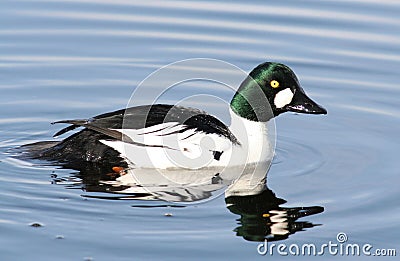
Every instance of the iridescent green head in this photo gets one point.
(269, 90)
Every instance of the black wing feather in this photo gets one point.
(149, 115)
(85, 146)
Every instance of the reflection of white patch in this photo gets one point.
(283, 98)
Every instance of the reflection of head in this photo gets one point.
(263, 218)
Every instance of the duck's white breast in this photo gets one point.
(256, 145)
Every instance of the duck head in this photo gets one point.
(272, 86)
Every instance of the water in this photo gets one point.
(76, 59)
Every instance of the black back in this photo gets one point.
(85, 145)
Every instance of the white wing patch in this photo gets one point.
(165, 146)
(169, 135)
(283, 98)
(159, 129)
(157, 135)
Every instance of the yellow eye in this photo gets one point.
(274, 84)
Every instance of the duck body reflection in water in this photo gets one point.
(261, 214)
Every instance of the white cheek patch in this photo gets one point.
(283, 98)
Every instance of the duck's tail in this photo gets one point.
(74, 124)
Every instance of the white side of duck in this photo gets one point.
(166, 147)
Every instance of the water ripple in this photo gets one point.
(252, 9)
(310, 31)
(290, 152)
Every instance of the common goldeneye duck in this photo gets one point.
(167, 136)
